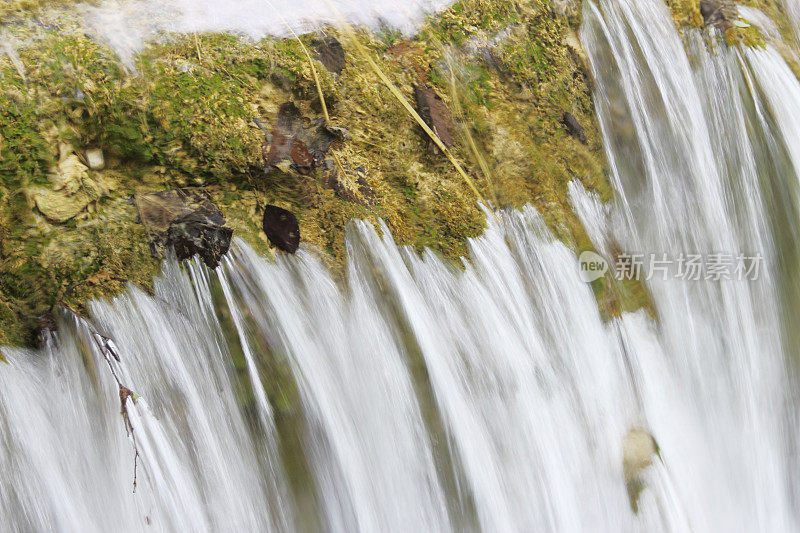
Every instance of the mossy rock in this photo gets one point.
(507, 71)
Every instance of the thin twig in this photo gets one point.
(105, 346)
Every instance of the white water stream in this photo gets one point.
(413, 396)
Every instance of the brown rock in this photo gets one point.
(281, 228)
(350, 184)
(436, 115)
(298, 141)
(330, 53)
(574, 127)
(718, 13)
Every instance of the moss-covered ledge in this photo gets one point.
(507, 73)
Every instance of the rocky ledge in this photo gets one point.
(282, 141)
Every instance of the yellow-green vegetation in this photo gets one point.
(775, 10)
(17, 9)
(508, 70)
(687, 14)
(740, 31)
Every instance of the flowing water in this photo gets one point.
(271, 395)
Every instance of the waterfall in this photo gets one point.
(409, 394)
(702, 146)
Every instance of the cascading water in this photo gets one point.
(426, 398)
(702, 158)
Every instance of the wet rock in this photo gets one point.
(718, 13)
(281, 228)
(330, 53)
(334, 134)
(186, 221)
(95, 159)
(297, 144)
(574, 127)
(435, 114)
(200, 234)
(710, 9)
(285, 146)
(638, 450)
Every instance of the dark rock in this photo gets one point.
(299, 141)
(330, 53)
(323, 139)
(200, 234)
(574, 127)
(435, 114)
(281, 228)
(710, 9)
(186, 221)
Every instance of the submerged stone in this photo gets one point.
(281, 228)
(186, 221)
(638, 450)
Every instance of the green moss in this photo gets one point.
(746, 36)
(22, 9)
(24, 153)
(467, 18)
(184, 119)
(775, 10)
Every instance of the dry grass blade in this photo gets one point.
(310, 60)
(459, 110)
(364, 53)
(316, 78)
